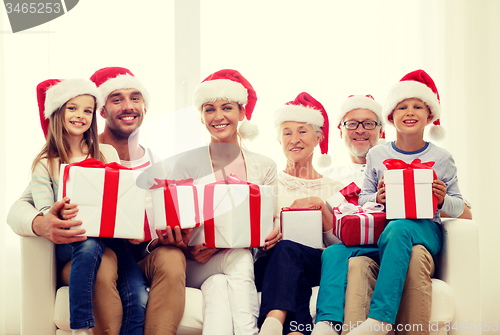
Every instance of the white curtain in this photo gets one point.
(472, 82)
(330, 49)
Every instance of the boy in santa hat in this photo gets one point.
(412, 104)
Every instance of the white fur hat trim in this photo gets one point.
(124, 81)
(408, 89)
(219, 89)
(298, 114)
(360, 102)
(58, 94)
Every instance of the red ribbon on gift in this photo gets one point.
(208, 210)
(172, 201)
(110, 191)
(409, 182)
(351, 193)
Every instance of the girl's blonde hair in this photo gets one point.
(57, 146)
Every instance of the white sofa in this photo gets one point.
(45, 311)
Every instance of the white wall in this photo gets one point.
(330, 49)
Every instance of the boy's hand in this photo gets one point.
(381, 191)
(439, 190)
(69, 210)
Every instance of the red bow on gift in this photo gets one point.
(409, 182)
(160, 183)
(393, 164)
(110, 192)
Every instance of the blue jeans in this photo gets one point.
(132, 289)
(394, 249)
(292, 270)
(86, 258)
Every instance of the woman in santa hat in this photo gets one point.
(226, 100)
(289, 270)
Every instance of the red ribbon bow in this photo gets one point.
(409, 182)
(208, 210)
(110, 191)
(160, 183)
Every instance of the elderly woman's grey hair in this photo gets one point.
(317, 130)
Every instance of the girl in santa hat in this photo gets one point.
(67, 114)
(289, 270)
(226, 101)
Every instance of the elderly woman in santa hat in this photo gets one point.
(288, 271)
(226, 100)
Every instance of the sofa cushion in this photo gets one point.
(191, 322)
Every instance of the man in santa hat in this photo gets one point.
(164, 265)
(361, 128)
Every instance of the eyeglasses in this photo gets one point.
(368, 124)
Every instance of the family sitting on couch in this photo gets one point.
(120, 286)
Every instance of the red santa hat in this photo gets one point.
(417, 84)
(110, 79)
(308, 110)
(52, 94)
(229, 85)
(361, 102)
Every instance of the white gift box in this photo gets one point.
(227, 219)
(94, 190)
(303, 226)
(413, 200)
(176, 206)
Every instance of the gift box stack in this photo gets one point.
(408, 190)
(109, 202)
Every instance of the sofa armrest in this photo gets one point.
(458, 265)
(38, 286)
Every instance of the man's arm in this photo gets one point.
(22, 214)
(466, 214)
(25, 220)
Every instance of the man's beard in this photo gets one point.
(122, 135)
(359, 152)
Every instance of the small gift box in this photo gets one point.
(359, 225)
(175, 203)
(348, 194)
(408, 190)
(235, 214)
(302, 225)
(110, 204)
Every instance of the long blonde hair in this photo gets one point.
(57, 145)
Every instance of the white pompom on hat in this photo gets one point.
(110, 79)
(229, 85)
(52, 94)
(308, 110)
(417, 84)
